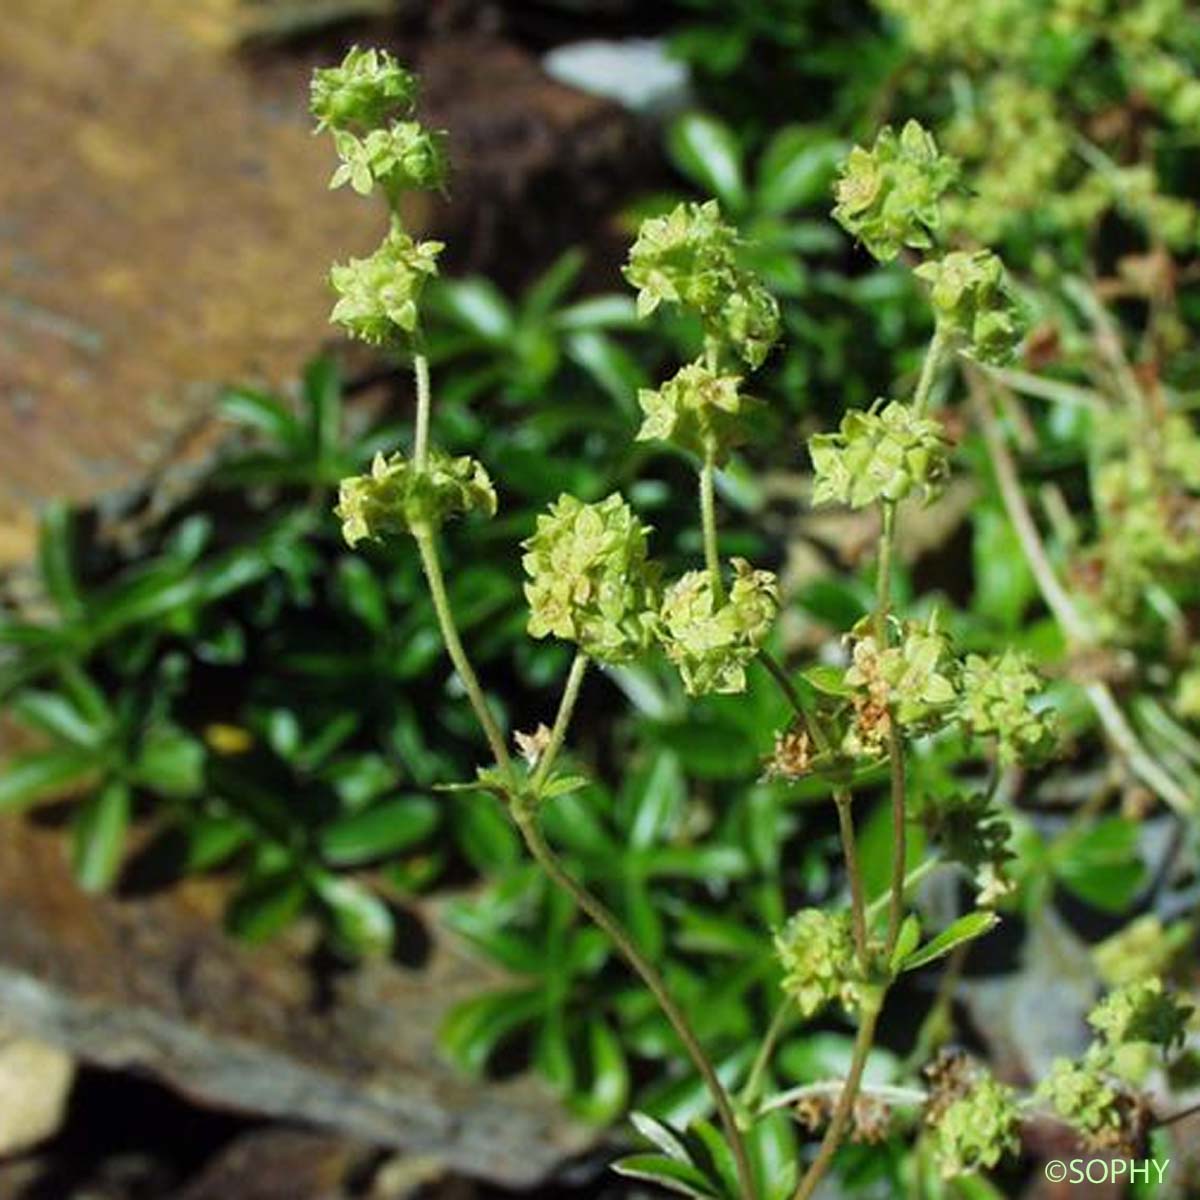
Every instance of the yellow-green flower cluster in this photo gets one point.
(880, 454)
(402, 157)
(711, 643)
(699, 408)
(1141, 1012)
(972, 302)
(378, 296)
(816, 949)
(973, 1132)
(394, 497)
(1083, 1095)
(997, 702)
(889, 196)
(591, 580)
(367, 89)
(689, 257)
(910, 683)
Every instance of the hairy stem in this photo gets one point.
(427, 545)
(421, 439)
(566, 708)
(844, 1109)
(708, 521)
(929, 369)
(549, 862)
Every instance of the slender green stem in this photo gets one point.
(421, 439)
(549, 862)
(933, 359)
(708, 521)
(566, 708)
(427, 545)
(883, 602)
(762, 1059)
(844, 1109)
(858, 910)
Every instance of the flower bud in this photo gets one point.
(710, 643)
(888, 196)
(591, 580)
(395, 498)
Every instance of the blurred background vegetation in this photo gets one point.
(198, 679)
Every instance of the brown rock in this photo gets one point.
(152, 983)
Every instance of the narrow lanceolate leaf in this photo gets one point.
(99, 836)
(32, 777)
(678, 1177)
(55, 715)
(56, 559)
(906, 941)
(378, 831)
(707, 151)
(264, 413)
(965, 929)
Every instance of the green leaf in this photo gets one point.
(707, 152)
(54, 714)
(1102, 866)
(31, 777)
(363, 592)
(965, 929)
(99, 836)
(660, 1135)
(828, 679)
(656, 795)
(56, 559)
(610, 365)
(906, 940)
(473, 1029)
(1004, 584)
(265, 904)
(476, 305)
(362, 922)
(264, 413)
(797, 169)
(323, 396)
(378, 831)
(213, 840)
(171, 762)
(608, 1092)
(674, 1176)
(609, 311)
(552, 286)
(709, 1150)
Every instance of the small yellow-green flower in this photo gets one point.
(1082, 1095)
(881, 454)
(404, 155)
(378, 297)
(1141, 1012)
(711, 643)
(696, 409)
(976, 1130)
(816, 949)
(888, 197)
(591, 580)
(395, 498)
(998, 701)
(971, 300)
(689, 257)
(366, 90)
